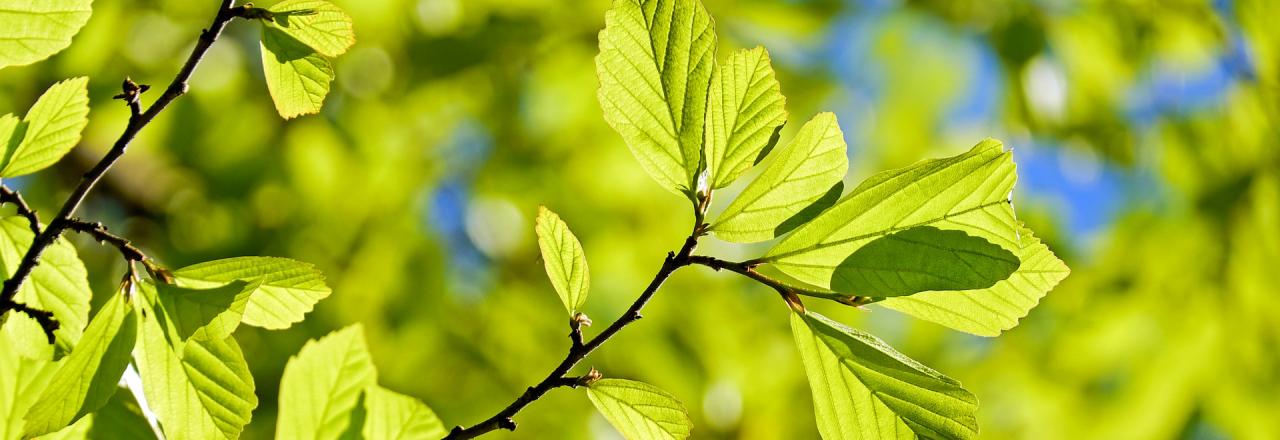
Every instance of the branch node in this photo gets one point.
(45, 319)
(507, 424)
(587, 379)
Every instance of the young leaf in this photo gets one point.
(197, 388)
(969, 192)
(393, 415)
(639, 410)
(563, 259)
(31, 31)
(297, 77)
(24, 371)
(285, 289)
(59, 284)
(205, 313)
(864, 389)
(744, 110)
(800, 174)
(322, 385)
(53, 127)
(315, 23)
(987, 312)
(655, 66)
(88, 376)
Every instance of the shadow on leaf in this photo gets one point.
(921, 259)
(810, 212)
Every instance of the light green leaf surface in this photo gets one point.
(987, 312)
(25, 369)
(745, 108)
(969, 192)
(322, 384)
(88, 376)
(59, 284)
(198, 389)
(32, 30)
(654, 65)
(315, 23)
(52, 128)
(801, 173)
(10, 135)
(390, 415)
(286, 289)
(563, 259)
(80, 430)
(121, 418)
(297, 77)
(205, 313)
(864, 389)
(640, 411)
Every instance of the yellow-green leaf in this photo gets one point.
(282, 291)
(640, 411)
(59, 284)
(392, 415)
(315, 23)
(32, 30)
(563, 259)
(322, 384)
(51, 128)
(297, 77)
(745, 109)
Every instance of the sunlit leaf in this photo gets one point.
(285, 289)
(864, 389)
(563, 259)
(639, 410)
(315, 23)
(197, 388)
(88, 376)
(51, 128)
(322, 384)
(396, 416)
(800, 173)
(25, 369)
(655, 65)
(59, 284)
(987, 312)
(969, 193)
(31, 31)
(120, 418)
(205, 313)
(297, 77)
(745, 108)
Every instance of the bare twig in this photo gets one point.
(790, 293)
(99, 232)
(8, 196)
(138, 120)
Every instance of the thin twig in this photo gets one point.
(14, 197)
(788, 292)
(558, 376)
(137, 121)
(99, 232)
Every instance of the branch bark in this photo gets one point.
(558, 377)
(138, 120)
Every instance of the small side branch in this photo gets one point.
(789, 293)
(9, 196)
(99, 232)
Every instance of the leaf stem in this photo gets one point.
(137, 121)
(558, 377)
(788, 292)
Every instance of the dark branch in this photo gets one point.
(99, 232)
(558, 377)
(789, 293)
(137, 121)
(10, 196)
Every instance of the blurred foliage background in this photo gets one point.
(1145, 133)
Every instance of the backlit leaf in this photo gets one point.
(59, 284)
(640, 411)
(31, 31)
(286, 290)
(396, 416)
(51, 128)
(322, 384)
(745, 108)
(563, 259)
(315, 23)
(297, 77)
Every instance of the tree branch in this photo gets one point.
(10, 196)
(137, 121)
(558, 377)
(789, 293)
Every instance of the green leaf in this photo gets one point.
(804, 171)
(197, 388)
(52, 128)
(563, 259)
(987, 312)
(969, 192)
(654, 65)
(120, 418)
(322, 384)
(89, 375)
(745, 108)
(286, 290)
(864, 389)
(639, 410)
(24, 371)
(315, 23)
(205, 313)
(297, 77)
(76, 431)
(922, 258)
(396, 416)
(59, 284)
(10, 135)
(31, 31)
